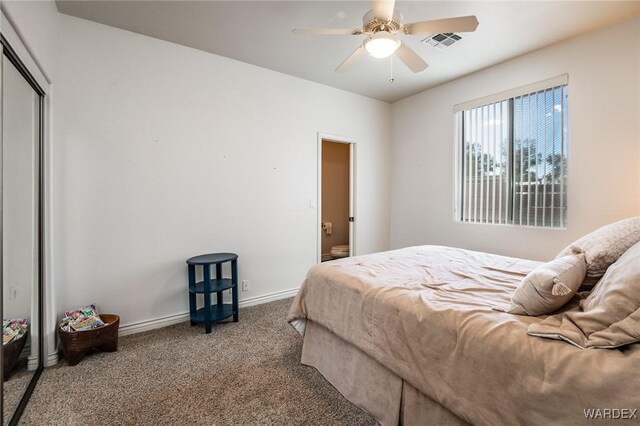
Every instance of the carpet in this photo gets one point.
(245, 373)
(13, 389)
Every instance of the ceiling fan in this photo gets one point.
(382, 26)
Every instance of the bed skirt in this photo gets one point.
(370, 385)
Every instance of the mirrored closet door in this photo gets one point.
(21, 234)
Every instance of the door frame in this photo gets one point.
(353, 144)
(13, 46)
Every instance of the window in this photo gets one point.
(513, 167)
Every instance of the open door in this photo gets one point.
(336, 195)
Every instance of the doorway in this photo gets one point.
(336, 194)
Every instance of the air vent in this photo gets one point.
(442, 41)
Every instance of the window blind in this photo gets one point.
(514, 160)
(485, 163)
(561, 80)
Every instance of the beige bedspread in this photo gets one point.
(426, 314)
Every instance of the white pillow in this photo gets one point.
(609, 317)
(604, 246)
(549, 287)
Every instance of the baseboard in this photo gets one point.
(141, 326)
(33, 362)
(266, 298)
(51, 359)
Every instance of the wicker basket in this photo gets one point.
(76, 344)
(10, 354)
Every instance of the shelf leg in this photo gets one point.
(192, 296)
(207, 298)
(234, 291)
(218, 276)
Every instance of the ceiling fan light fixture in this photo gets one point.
(381, 45)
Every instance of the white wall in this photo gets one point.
(161, 152)
(164, 152)
(37, 24)
(604, 146)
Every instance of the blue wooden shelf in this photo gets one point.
(216, 285)
(218, 312)
(212, 258)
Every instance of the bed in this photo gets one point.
(413, 337)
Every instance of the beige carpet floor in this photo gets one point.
(13, 389)
(245, 373)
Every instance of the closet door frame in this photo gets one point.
(12, 46)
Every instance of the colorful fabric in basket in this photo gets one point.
(13, 329)
(81, 319)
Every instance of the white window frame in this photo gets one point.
(458, 109)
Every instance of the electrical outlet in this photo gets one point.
(245, 285)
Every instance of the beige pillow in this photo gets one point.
(549, 287)
(604, 246)
(609, 317)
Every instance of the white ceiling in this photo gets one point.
(259, 33)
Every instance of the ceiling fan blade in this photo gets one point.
(411, 59)
(327, 31)
(351, 60)
(383, 9)
(461, 24)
